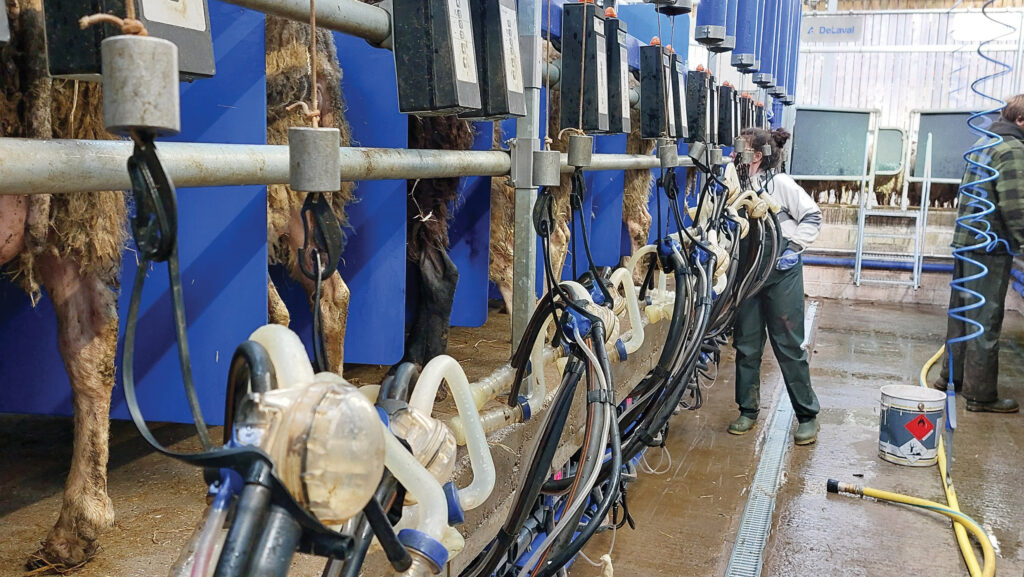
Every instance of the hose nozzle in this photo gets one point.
(835, 486)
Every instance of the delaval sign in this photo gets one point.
(832, 28)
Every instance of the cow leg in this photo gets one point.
(428, 336)
(559, 248)
(13, 214)
(277, 312)
(87, 337)
(334, 299)
(505, 288)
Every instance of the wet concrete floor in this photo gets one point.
(686, 516)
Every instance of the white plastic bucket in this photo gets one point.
(910, 424)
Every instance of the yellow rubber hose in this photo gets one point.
(966, 549)
(963, 520)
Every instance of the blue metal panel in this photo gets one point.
(607, 186)
(373, 264)
(223, 259)
(554, 8)
(469, 236)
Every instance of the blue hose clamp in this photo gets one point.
(621, 347)
(425, 545)
(384, 418)
(456, 516)
(524, 406)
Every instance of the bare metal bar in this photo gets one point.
(30, 166)
(352, 17)
(623, 162)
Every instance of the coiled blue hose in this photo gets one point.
(978, 164)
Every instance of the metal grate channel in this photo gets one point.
(748, 550)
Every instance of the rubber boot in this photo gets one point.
(806, 432)
(742, 425)
(997, 406)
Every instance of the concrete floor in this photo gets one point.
(686, 517)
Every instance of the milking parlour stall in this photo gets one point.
(422, 287)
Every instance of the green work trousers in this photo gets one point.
(778, 313)
(976, 362)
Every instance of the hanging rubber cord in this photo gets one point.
(155, 231)
(322, 245)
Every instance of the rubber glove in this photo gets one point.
(788, 259)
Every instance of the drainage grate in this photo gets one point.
(748, 551)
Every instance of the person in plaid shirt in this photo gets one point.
(976, 362)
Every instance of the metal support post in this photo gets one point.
(524, 266)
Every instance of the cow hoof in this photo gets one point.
(61, 555)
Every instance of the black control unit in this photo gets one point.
(618, 76)
(584, 62)
(500, 68)
(678, 77)
(75, 53)
(698, 106)
(657, 110)
(746, 112)
(728, 105)
(435, 57)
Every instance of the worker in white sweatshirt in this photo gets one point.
(777, 311)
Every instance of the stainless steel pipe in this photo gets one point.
(29, 166)
(622, 162)
(352, 17)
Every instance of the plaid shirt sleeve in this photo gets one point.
(1010, 189)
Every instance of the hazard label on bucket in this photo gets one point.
(912, 450)
(920, 427)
